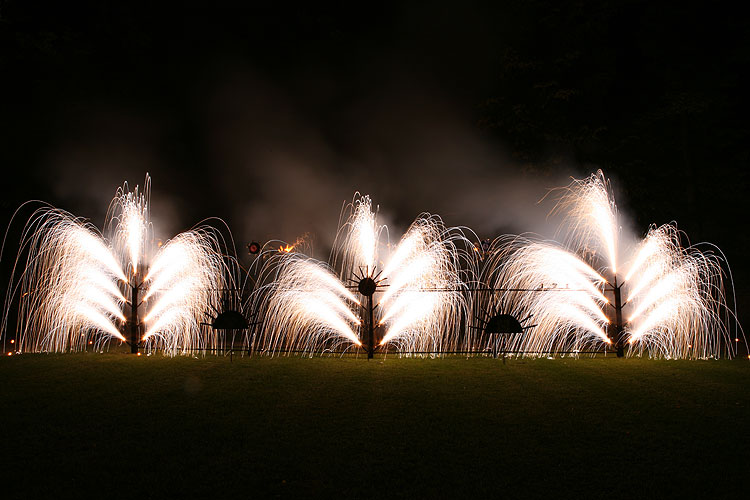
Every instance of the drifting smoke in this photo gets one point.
(275, 167)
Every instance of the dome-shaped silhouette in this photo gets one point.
(229, 320)
(503, 323)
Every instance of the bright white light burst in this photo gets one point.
(672, 297)
(77, 285)
(419, 300)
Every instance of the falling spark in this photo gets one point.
(424, 301)
(570, 314)
(679, 299)
(309, 308)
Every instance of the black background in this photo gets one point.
(271, 115)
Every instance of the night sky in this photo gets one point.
(272, 116)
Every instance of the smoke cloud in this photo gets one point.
(278, 164)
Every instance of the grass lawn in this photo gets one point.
(118, 425)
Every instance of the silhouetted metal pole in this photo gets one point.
(370, 329)
(367, 287)
(134, 341)
(619, 339)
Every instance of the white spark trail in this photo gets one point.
(308, 308)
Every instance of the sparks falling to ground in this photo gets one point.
(78, 286)
(664, 299)
(409, 296)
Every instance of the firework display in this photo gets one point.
(79, 287)
(415, 285)
(663, 299)
(435, 290)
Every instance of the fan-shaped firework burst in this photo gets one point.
(310, 308)
(416, 289)
(670, 302)
(423, 302)
(78, 286)
(675, 298)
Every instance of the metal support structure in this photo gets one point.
(619, 338)
(367, 287)
(134, 322)
(370, 329)
(134, 341)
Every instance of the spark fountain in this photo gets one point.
(372, 296)
(669, 302)
(78, 286)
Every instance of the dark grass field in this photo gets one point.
(117, 425)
